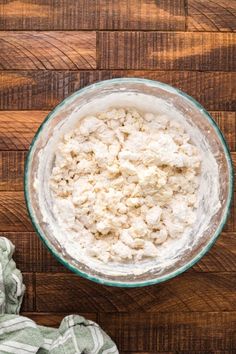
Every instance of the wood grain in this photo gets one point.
(213, 15)
(17, 128)
(227, 124)
(29, 296)
(167, 51)
(47, 50)
(42, 90)
(31, 254)
(190, 291)
(90, 14)
(12, 170)
(54, 320)
(221, 258)
(206, 332)
(13, 213)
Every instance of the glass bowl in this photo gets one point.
(216, 180)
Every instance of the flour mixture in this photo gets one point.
(125, 182)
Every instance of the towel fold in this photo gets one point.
(21, 335)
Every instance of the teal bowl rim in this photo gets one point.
(212, 240)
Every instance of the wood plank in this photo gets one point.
(227, 124)
(12, 170)
(42, 90)
(17, 128)
(209, 332)
(54, 320)
(31, 254)
(29, 300)
(188, 292)
(47, 50)
(13, 213)
(90, 14)
(167, 51)
(214, 15)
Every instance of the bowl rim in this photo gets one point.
(203, 251)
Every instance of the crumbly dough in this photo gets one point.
(124, 182)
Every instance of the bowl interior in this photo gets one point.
(215, 184)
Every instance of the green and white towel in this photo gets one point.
(21, 335)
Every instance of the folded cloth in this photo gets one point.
(21, 335)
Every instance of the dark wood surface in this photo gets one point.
(49, 49)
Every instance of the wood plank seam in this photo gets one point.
(42, 90)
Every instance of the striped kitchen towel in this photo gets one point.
(21, 335)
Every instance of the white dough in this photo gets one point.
(128, 180)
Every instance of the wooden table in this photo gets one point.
(49, 49)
